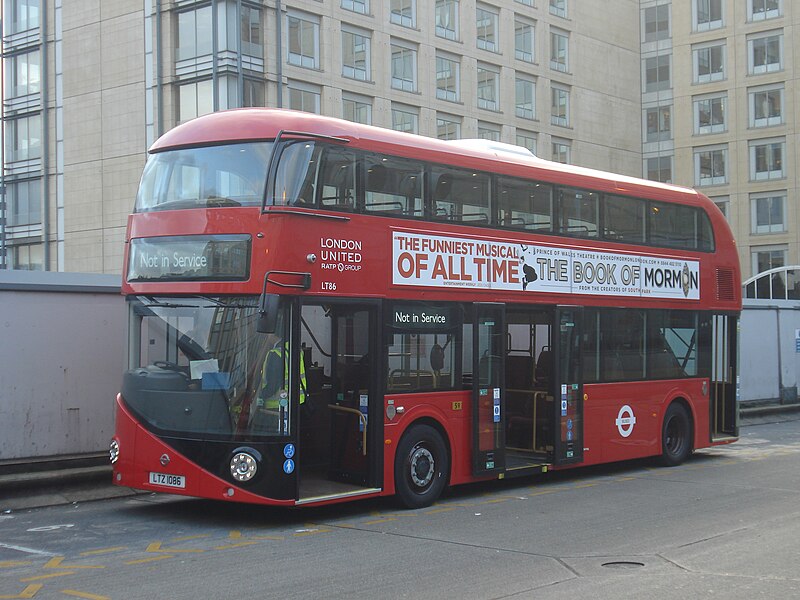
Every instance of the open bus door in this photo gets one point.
(568, 386)
(488, 388)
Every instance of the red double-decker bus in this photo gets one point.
(323, 311)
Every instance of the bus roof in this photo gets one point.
(252, 124)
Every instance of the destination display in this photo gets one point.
(439, 261)
(190, 258)
(420, 316)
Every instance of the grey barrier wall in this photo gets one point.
(62, 353)
(769, 351)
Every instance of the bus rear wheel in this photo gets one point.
(676, 435)
(421, 467)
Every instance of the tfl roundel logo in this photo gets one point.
(625, 421)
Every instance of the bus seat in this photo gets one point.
(544, 368)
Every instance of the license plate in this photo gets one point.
(165, 479)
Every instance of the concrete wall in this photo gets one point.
(62, 353)
(770, 362)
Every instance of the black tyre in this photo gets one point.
(676, 435)
(421, 466)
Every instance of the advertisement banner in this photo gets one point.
(443, 261)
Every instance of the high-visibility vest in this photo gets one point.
(280, 352)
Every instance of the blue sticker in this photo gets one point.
(569, 435)
(569, 423)
(496, 412)
(288, 450)
(288, 466)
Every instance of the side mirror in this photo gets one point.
(268, 311)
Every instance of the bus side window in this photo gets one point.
(393, 186)
(461, 196)
(338, 179)
(296, 175)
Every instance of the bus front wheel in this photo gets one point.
(676, 435)
(420, 466)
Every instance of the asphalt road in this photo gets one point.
(724, 525)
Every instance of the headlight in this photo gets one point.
(113, 451)
(243, 466)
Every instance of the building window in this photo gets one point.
(403, 12)
(766, 106)
(23, 138)
(558, 8)
(560, 150)
(303, 40)
(768, 212)
(765, 53)
(305, 97)
(359, 6)
(526, 98)
(448, 127)
(488, 87)
(487, 23)
(656, 23)
(24, 75)
(707, 14)
(405, 118)
(525, 2)
(657, 77)
(21, 15)
(195, 99)
(27, 257)
(488, 131)
(709, 63)
(448, 75)
(357, 109)
(250, 26)
(24, 202)
(710, 166)
(526, 139)
(760, 10)
(766, 160)
(659, 168)
(559, 51)
(709, 114)
(447, 19)
(253, 92)
(524, 41)
(723, 204)
(767, 257)
(195, 36)
(356, 55)
(659, 123)
(404, 68)
(559, 106)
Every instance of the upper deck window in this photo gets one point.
(215, 176)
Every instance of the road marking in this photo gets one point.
(27, 550)
(28, 592)
(278, 538)
(55, 563)
(141, 561)
(156, 547)
(378, 521)
(15, 563)
(87, 595)
(103, 551)
(236, 545)
(48, 576)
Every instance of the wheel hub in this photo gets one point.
(422, 467)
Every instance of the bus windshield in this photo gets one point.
(199, 367)
(213, 176)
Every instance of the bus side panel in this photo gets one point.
(451, 410)
(624, 420)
